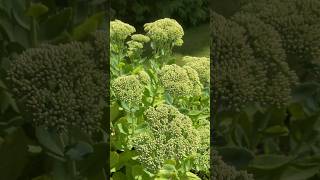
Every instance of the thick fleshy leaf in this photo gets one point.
(269, 162)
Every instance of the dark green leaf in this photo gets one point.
(236, 156)
(114, 158)
(79, 150)
(34, 149)
(56, 24)
(49, 140)
(276, 131)
(37, 9)
(268, 162)
(88, 26)
(293, 173)
(95, 162)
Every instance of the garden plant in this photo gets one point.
(160, 111)
(265, 64)
(53, 91)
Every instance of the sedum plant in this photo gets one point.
(160, 111)
(265, 61)
(57, 95)
(61, 92)
(249, 67)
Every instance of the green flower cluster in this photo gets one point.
(171, 136)
(140, 38)
(180, 81)
(119, 32)
(164, 33)
(249, 63)
(135, 46)
(222, 171)
(60, 86)
(201, 65)
(297, 22)
(128, 89)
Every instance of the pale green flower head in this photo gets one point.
(165, 31)
(140, 38)
(119, 31)
(180, 81)
(144, 77)
(128, 89)
(201, 65)
(134, 45)
(194, 78)
(135, 48)
(170, 136)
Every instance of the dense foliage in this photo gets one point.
(188, 12)
(265, 88)
(160, 110)
(53, 95)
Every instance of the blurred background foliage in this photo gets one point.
(138, 12)
(193, 15)
(26, 152)
(271, 142)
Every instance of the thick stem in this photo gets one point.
(73, 165)
(34, 37)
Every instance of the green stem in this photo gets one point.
(73, 165)
(34, 40)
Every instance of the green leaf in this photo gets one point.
(138, 172)
(79, 150)
(120, 128)
(34, 149)
(143, 127)
(58, 170)
(167, 171)
(119, 176)
(168, 98)
(276, 131)
(114, 111)
(296, 110)
(13, 154)
(88, 26)
(49, 140)
(19, 15)
(191, 176)
(44, 177)
(237, 156)
(37, 9)
(114, 159)
(293, 173)
(269, 162)
(56, 24)
(95, 162)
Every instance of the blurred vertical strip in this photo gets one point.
(107, 52)
(211, 97)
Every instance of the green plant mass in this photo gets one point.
(160, 111)
(265, 87)
(53, 90)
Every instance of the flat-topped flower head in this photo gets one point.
(170, 135)
(120, 30)
(194, 78)
(201, 65)
(60, 86)
(128, 89)
(180, 81)
(140, 38)
(167, 31)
